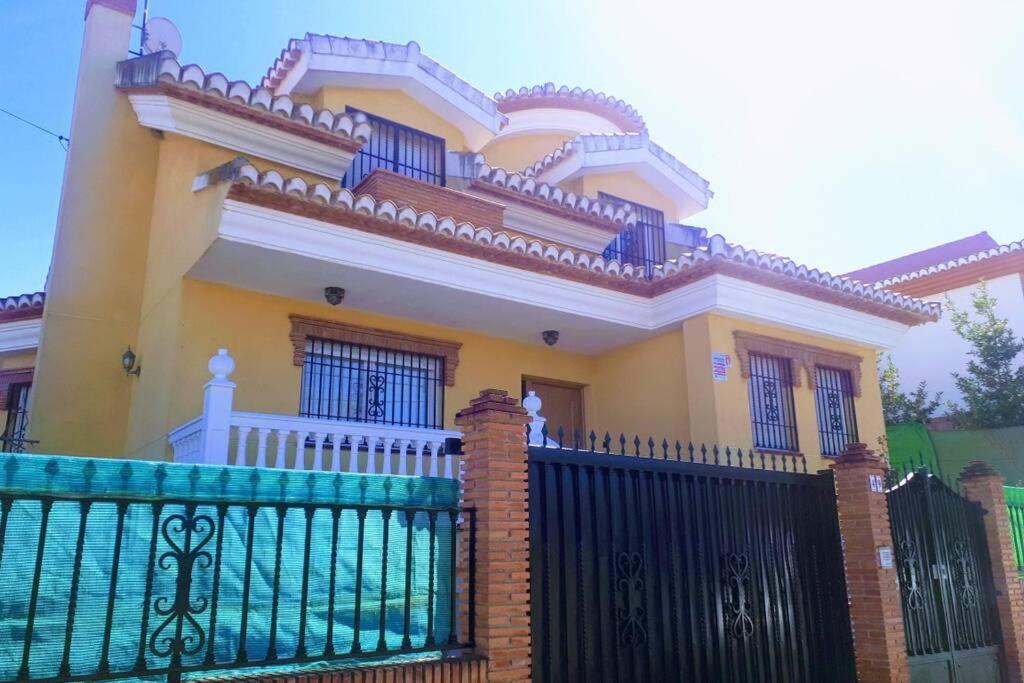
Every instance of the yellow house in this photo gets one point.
(373, 240)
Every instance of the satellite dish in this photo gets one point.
(161, 34)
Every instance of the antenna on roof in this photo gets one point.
(157, 34)
(161, 34)
(142, 29)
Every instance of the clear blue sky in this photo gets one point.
(836, 134)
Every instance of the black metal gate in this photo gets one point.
(949, 610)
(684, 565)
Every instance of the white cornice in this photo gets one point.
(20, 335)
(308, 238)
(231, 132)
(555, 228)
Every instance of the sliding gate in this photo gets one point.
(948, 599)
(678, 566)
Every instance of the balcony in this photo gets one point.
(224, 436)
(401, 149)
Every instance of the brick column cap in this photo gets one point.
(495, 402)
(123, 6)
(858, 454)
(979, 469)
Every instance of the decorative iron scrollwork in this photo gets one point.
(770, 397)
(835, 412)
(180, 611)
(963, 574)
(911, 570)
(375, 395)
(630, 614)
(737, 594)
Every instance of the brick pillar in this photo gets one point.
(494, 482)
(879, 641)
(982, 484)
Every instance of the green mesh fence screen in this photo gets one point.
(129, 569)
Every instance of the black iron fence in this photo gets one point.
(661, 561)
(404, 150)
(948, 599)
(100, 587)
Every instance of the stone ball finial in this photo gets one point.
(221, 365)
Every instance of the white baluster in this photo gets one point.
(353, 453)
(318, 451)
(403, 449)
(388, 443)
(336, 452)
(300, 450)
(243, 442)
(261, 447)
(533, 405)
(435, 446)
(371, 454)
(448, 457)
(419, 457)
(282, 443)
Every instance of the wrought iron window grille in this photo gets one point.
(772, 409)
(399, 148)
(344, 381)
(14, 437)
(837, 416)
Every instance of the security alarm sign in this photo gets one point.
(720, 364)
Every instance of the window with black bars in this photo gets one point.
(342, 381)
(642, 244)
(837, 419)
(404, 150)
(772, 413)
(12, 439)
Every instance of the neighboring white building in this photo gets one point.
(933, 351)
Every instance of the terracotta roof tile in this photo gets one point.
(162, 68)
(924, 259)
(22, 306)
(717, 250)
(547, 95)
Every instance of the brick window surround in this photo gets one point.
(304, 327)
(801, 355)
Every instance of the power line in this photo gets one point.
(60, 138)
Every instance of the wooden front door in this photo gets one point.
(561, 404)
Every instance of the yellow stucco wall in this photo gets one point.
(80, 399)
(517, 153)
(394, 105)
(641, 389)
(627, 186)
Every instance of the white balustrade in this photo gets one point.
(225, 436)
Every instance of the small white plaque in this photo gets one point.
(720, 364)
(875, 483)
(885, 557)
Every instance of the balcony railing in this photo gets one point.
(404, 150)
(224, 436)
(642, 244)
